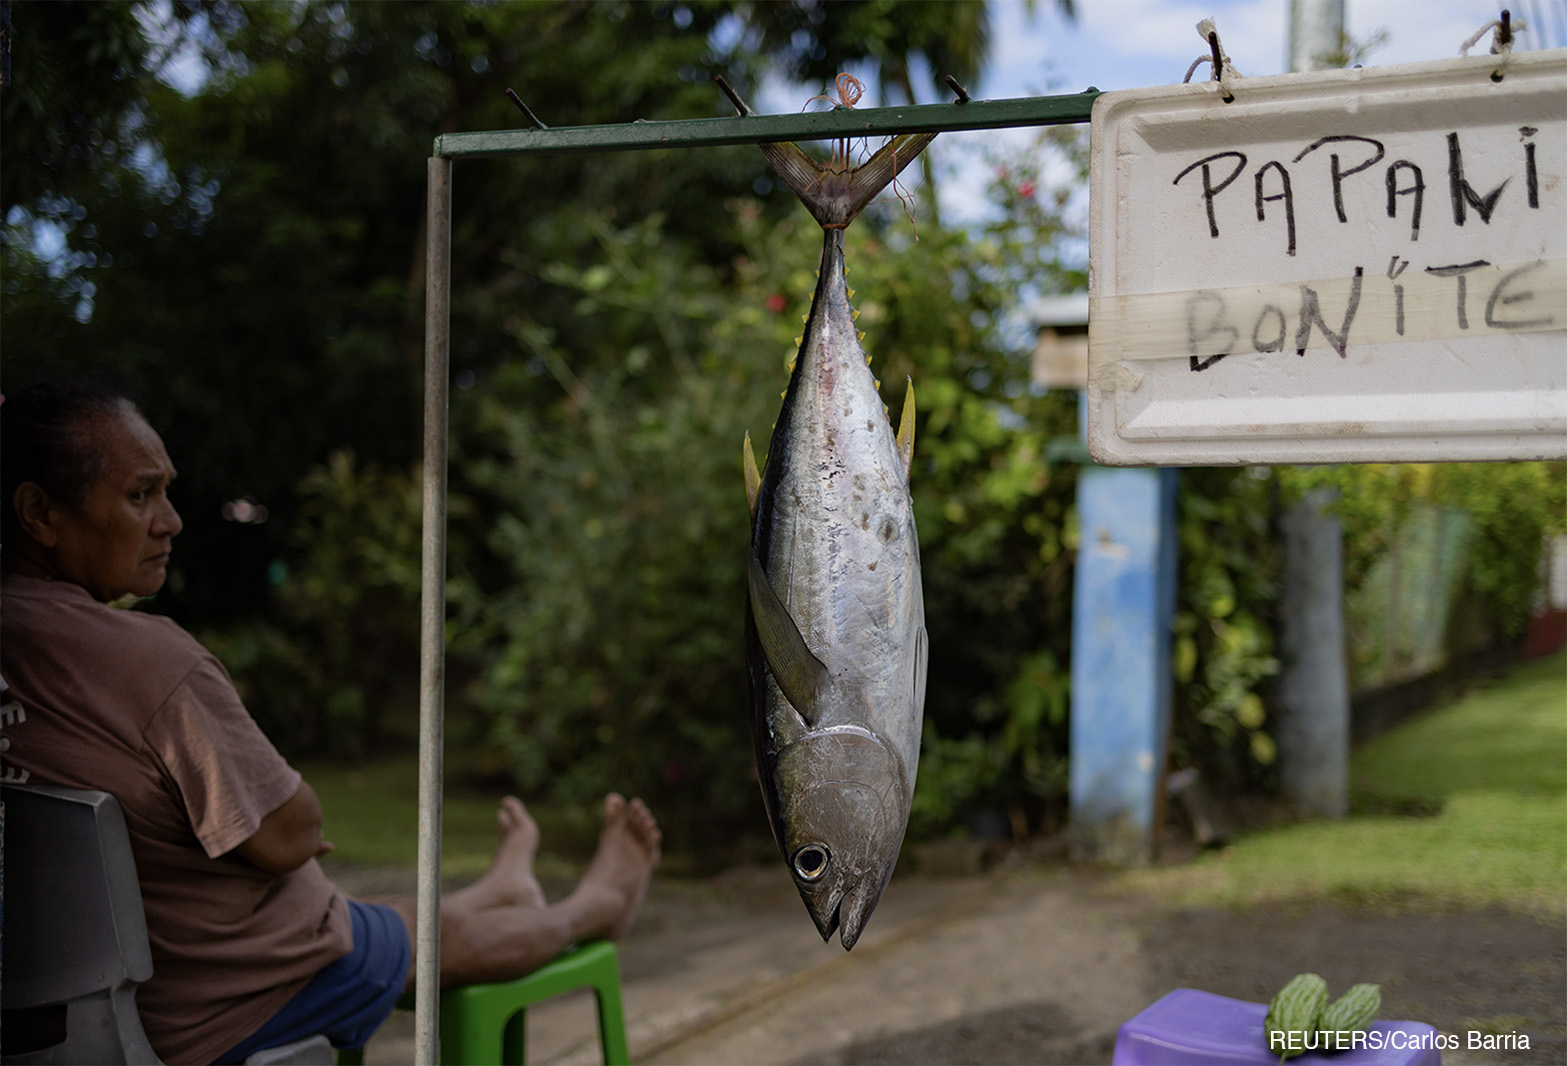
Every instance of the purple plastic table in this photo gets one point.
(1192, 1028)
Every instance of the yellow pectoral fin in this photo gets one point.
(906, 429)
(753, 480)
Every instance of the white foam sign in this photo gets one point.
(1344, 266)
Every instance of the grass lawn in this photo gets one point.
(1488, 774)
(372, 816)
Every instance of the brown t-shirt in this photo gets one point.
(131, 704)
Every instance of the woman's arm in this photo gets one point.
(290, 836)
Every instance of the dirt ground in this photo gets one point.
(1489, 971)
(1030, 963)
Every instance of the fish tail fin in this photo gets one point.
(833, 197)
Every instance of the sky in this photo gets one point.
(1128, 44)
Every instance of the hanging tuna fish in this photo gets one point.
(835, 625)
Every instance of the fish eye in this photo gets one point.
(810, 862)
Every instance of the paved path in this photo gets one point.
(991, 968)
(1035, 964)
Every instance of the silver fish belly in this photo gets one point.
(836, 638)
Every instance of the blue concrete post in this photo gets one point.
(1123, 603)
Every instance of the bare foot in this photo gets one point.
(615, 882)
(509, 882)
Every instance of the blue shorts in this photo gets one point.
(347, 1001)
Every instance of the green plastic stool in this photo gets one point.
(486, 1025)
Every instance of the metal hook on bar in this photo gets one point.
(1218, 59)
(734, 97)
(534, 119)
(1504, 33)
(1502, 42)
(952, 83)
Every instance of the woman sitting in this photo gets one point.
(252, 945)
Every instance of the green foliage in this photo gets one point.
(601, 610)
(286, 691)
(250, 257)
(993, 512)
(1514, 508)
(1412, 611)
(335, 672)
(249, 254)
(596, 536)
(1222, 651)
(951, 39)
(352, 597)
(76, 72)
(955, 777)
(599, 604)
(614, 332)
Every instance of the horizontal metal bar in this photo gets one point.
(756, 129)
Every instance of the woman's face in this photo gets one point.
(118, 542)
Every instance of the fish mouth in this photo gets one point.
(826, 920)
(854, 910)
(850, 912)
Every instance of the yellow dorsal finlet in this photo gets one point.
(906, 429)
(753, 479)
